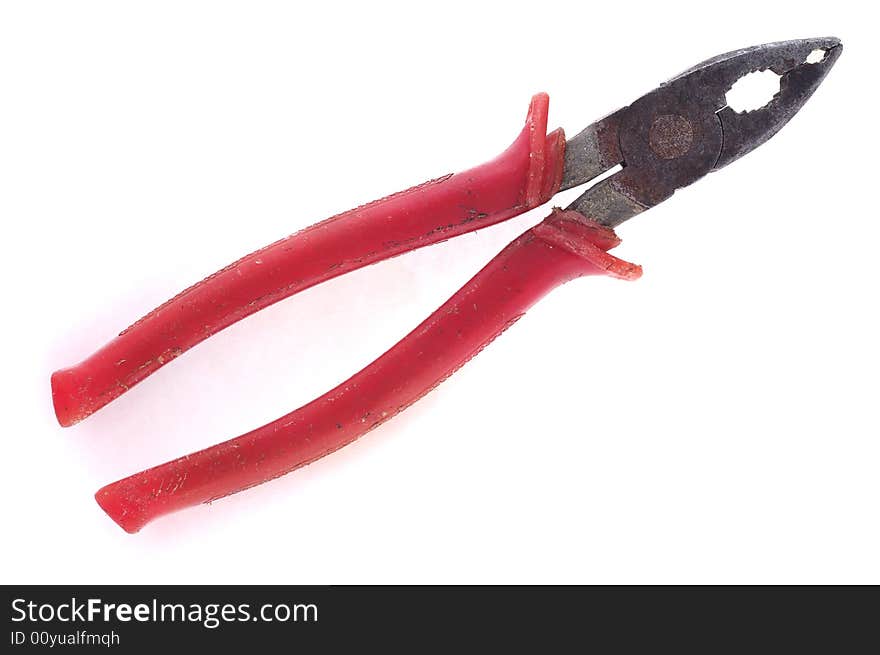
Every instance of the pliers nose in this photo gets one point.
(676, 134)
(801, 64)
(663, 141)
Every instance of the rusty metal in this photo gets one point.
(593, 151)
(684, 129)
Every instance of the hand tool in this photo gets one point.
(663, 141)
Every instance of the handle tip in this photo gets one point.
(67, 410)
(124, 512)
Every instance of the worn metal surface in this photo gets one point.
(684, 129)
(608, 202)
(592, 152)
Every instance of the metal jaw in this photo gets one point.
(684, 129)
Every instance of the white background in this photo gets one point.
(715, 421)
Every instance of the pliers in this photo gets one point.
(663, 141)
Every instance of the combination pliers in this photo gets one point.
(663, 141)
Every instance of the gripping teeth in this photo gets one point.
(753, 91)
(817, 56)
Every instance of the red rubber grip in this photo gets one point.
(524, 176)
(564, 246)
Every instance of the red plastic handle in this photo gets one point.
(524, 176)
(564, 246)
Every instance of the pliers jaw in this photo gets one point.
(745, 131)
(684, 129)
